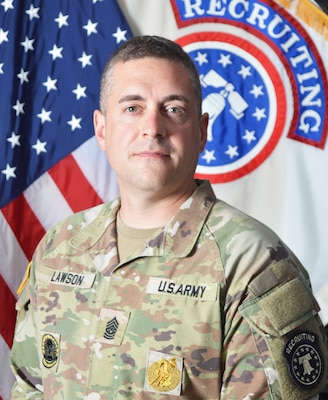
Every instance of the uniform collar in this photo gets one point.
(177, 239)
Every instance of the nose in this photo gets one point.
(153, 124)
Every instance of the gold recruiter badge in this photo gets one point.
(163, 375)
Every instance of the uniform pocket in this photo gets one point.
(283, 315)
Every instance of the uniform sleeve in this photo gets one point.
(274, 346)
(25, 362)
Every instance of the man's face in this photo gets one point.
(152, 132)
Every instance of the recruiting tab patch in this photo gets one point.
(304, 359)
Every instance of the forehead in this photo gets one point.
(152, 70)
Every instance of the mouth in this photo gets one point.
(152, 154)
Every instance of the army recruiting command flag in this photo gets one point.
(263, 69)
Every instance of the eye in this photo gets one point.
(131, 109)
(174, 109)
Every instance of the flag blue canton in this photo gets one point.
(51, 57)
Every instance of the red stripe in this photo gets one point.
(7, 313)
(24, 224)
(71, 181)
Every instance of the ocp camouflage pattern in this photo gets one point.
(213, 306)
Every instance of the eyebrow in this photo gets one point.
(134, 97)
(177, 97)
(130, 97)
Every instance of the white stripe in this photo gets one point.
(13, 260)
(322, 297)
(47, 201)
(6, 376)
(95, 166)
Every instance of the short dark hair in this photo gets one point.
(149, 46)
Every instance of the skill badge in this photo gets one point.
(163, 373)
(50, 350)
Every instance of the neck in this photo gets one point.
(151, 211)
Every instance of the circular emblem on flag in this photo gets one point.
(241, 88)
(304, 359)
(49, 350)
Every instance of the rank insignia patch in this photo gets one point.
(50, 350)
(304, 359)
(112, 326)
(163, 373)
(111, 329)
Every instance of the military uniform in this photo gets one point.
(213, 306)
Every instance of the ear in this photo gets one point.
(99, 128)
(203, 131)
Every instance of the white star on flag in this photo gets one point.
(232, 151)
(7, 4)
(75, 123)
(50, 84)
(19, 108)
(201, 58)
(33, 12)
(9, 172)
(224, 60)
(56, 52)
(23, 76)
(259, 113)
(249, 136)
(3, 36)
(27, 44)
(44, 116)
(120, 35)
(14, 140)
(79, 91)
(61, 20)
(245, 71)
(85, 59)
(209, 156)
(257, 91)
(39, 147)
(90, 27)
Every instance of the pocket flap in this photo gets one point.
(281, 308)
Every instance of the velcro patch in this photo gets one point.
(304, 359)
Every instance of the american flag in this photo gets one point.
(51, 57)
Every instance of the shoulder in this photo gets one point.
(75, 224)
(238, 229)
(247, 246)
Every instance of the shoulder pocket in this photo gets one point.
(284, 314)
(283, 302)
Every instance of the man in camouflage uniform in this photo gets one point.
(167, 291)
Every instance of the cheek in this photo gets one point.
(116, 144)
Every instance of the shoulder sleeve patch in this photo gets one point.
(284, 313)
(304, 359)
(25, 279)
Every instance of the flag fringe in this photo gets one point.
(309, 13)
